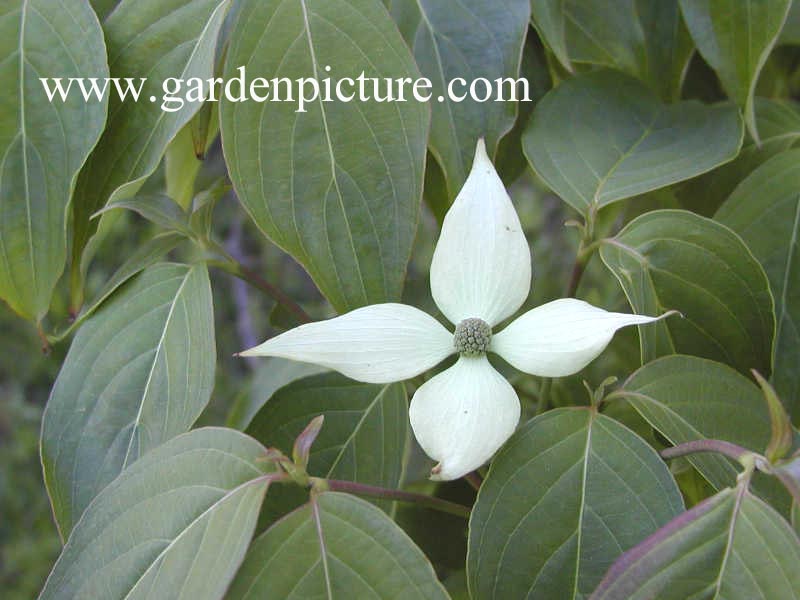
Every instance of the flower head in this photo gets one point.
(480, 275)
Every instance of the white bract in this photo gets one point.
(480, 275)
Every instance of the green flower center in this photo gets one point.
(472, 337)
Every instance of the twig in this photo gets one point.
(372, 491)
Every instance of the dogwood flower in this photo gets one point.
(480, 275)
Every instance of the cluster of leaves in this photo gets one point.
(667, 129)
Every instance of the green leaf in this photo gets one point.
(139, 372)
(337, 186)
(732, 545)
(676, 260)
(159, 209)
(337, 546)
(788, 472)
(185, 154)
(43, 143)
(203, 205)
(176, 523)
(782, 437)
(779, 129)
(470, 39)
(765, 210)
(790, 33)
(510, 160)
(146, 255)
(566, 495)
(603, 137)
(406, 15)
(271, 374)
(156, 39)
(644, 38)
(686, 398)
(735, 37)
(103, 7)
(363, 440)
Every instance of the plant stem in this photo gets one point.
(719, 446)
(544, 395)
(372, 491)
(43, 338)
(239, 270)
(586, 249)
(578, 269)
(474, 480)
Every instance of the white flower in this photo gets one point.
(480, 275)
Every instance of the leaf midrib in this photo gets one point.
(159, 348)
(262, 480)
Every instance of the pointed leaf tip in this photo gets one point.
(304, 441)
(780, 442)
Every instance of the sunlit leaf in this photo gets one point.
(177, 523)
(337, 546)
(43, 143)
(139, 372)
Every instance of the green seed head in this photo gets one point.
(472, 337)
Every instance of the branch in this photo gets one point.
(719, 446)
(372, 491)
(239, 270)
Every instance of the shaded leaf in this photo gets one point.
(779, 129)
(686, 398)
(159, 209)
(185, 154)
(406, 15)
(336, 546)
(782, 434)
(147, 254)
(177, 523)
(789, 474)
(569, 492)
(103, 7)
(203, 205)
(644, 38)
(338, 185)
(364, 437)
(43, 143)
(676, 260)
(156, 39)
(510, 160)
(790, 33)
(272, 373)
(471, 39)
(765, 210)
(732, 545)
(603, 137)
(139, 372)
(735, 37)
